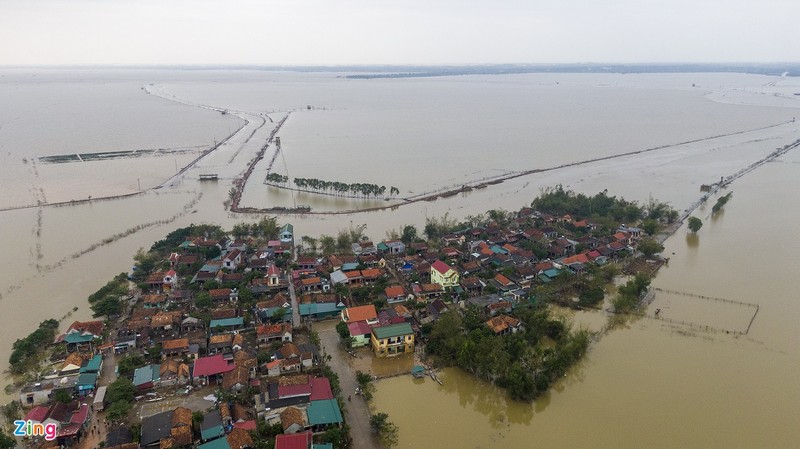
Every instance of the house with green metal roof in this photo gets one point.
(219, 443)
(287, 233)
(226, 324)
(146, 377)
(94, 365)
(211, 426)
(392, 339)
(319, 311)
(87, 383)
(324, 414)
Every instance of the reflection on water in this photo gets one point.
(692, 240)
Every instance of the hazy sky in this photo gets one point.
(396, 32)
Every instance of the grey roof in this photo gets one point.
(156, 427)
(338, 277)
(211, 419)
(120, 435)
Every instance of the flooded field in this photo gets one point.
(646, 383)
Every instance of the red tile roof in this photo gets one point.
(37, 414)
(175, 344)
(361, 313)
(394, 291)
(502, 280)
(300, 440)
(371, 273)
(94, 327)
(320, 389)
(578, 258)
(219, 292)
(440, 266)
(359, 328)
(208, 366)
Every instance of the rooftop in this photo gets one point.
(392, 330)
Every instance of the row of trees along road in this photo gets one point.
(365, 190)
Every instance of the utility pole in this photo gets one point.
(139, 184)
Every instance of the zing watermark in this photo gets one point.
(31, 429)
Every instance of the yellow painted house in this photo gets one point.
(443, 274)
(392, 339)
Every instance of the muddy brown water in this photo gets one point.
(647, 383)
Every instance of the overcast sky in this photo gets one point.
(396, 32)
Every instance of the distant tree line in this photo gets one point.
(277, 178)
(341, 188)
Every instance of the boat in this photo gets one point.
(418, 371)
(436, 378)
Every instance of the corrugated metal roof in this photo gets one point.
(324, 412)
(392, 330)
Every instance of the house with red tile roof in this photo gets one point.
(444, 274)
(361, 313)
(211, 367)
(274, 332)
(395, 293)
(302, 440)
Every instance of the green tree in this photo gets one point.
(203, 301)
(278, 314)
(327, 244)
(63, 396)
(591, 297)
(108, 306)
(121, 389)
(197, 418)
(6, 441)
(118, 410)
(409, 234)
(650, 226)
(344, 332)
(695, 224)
(649, 247)
(129, 363)
(387, 431)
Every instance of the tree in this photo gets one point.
(203, 301)
(344, 332)
(197, 419)
(118, 410)
(327, 244)
(278, 314)
(63, 396)
(387, 431)
(129, 363)
(409, 234)
(121, 389)
(650, 226)
(649, 247)
(695, 224)
(6, 441)
(591, 296)
(108, 306)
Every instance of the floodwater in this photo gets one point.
(652, 383)
(646, 383)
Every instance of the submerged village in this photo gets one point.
(258, 338)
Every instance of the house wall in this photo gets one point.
(37, 397)
(449, 279)
(383, 347)
(360, 340)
